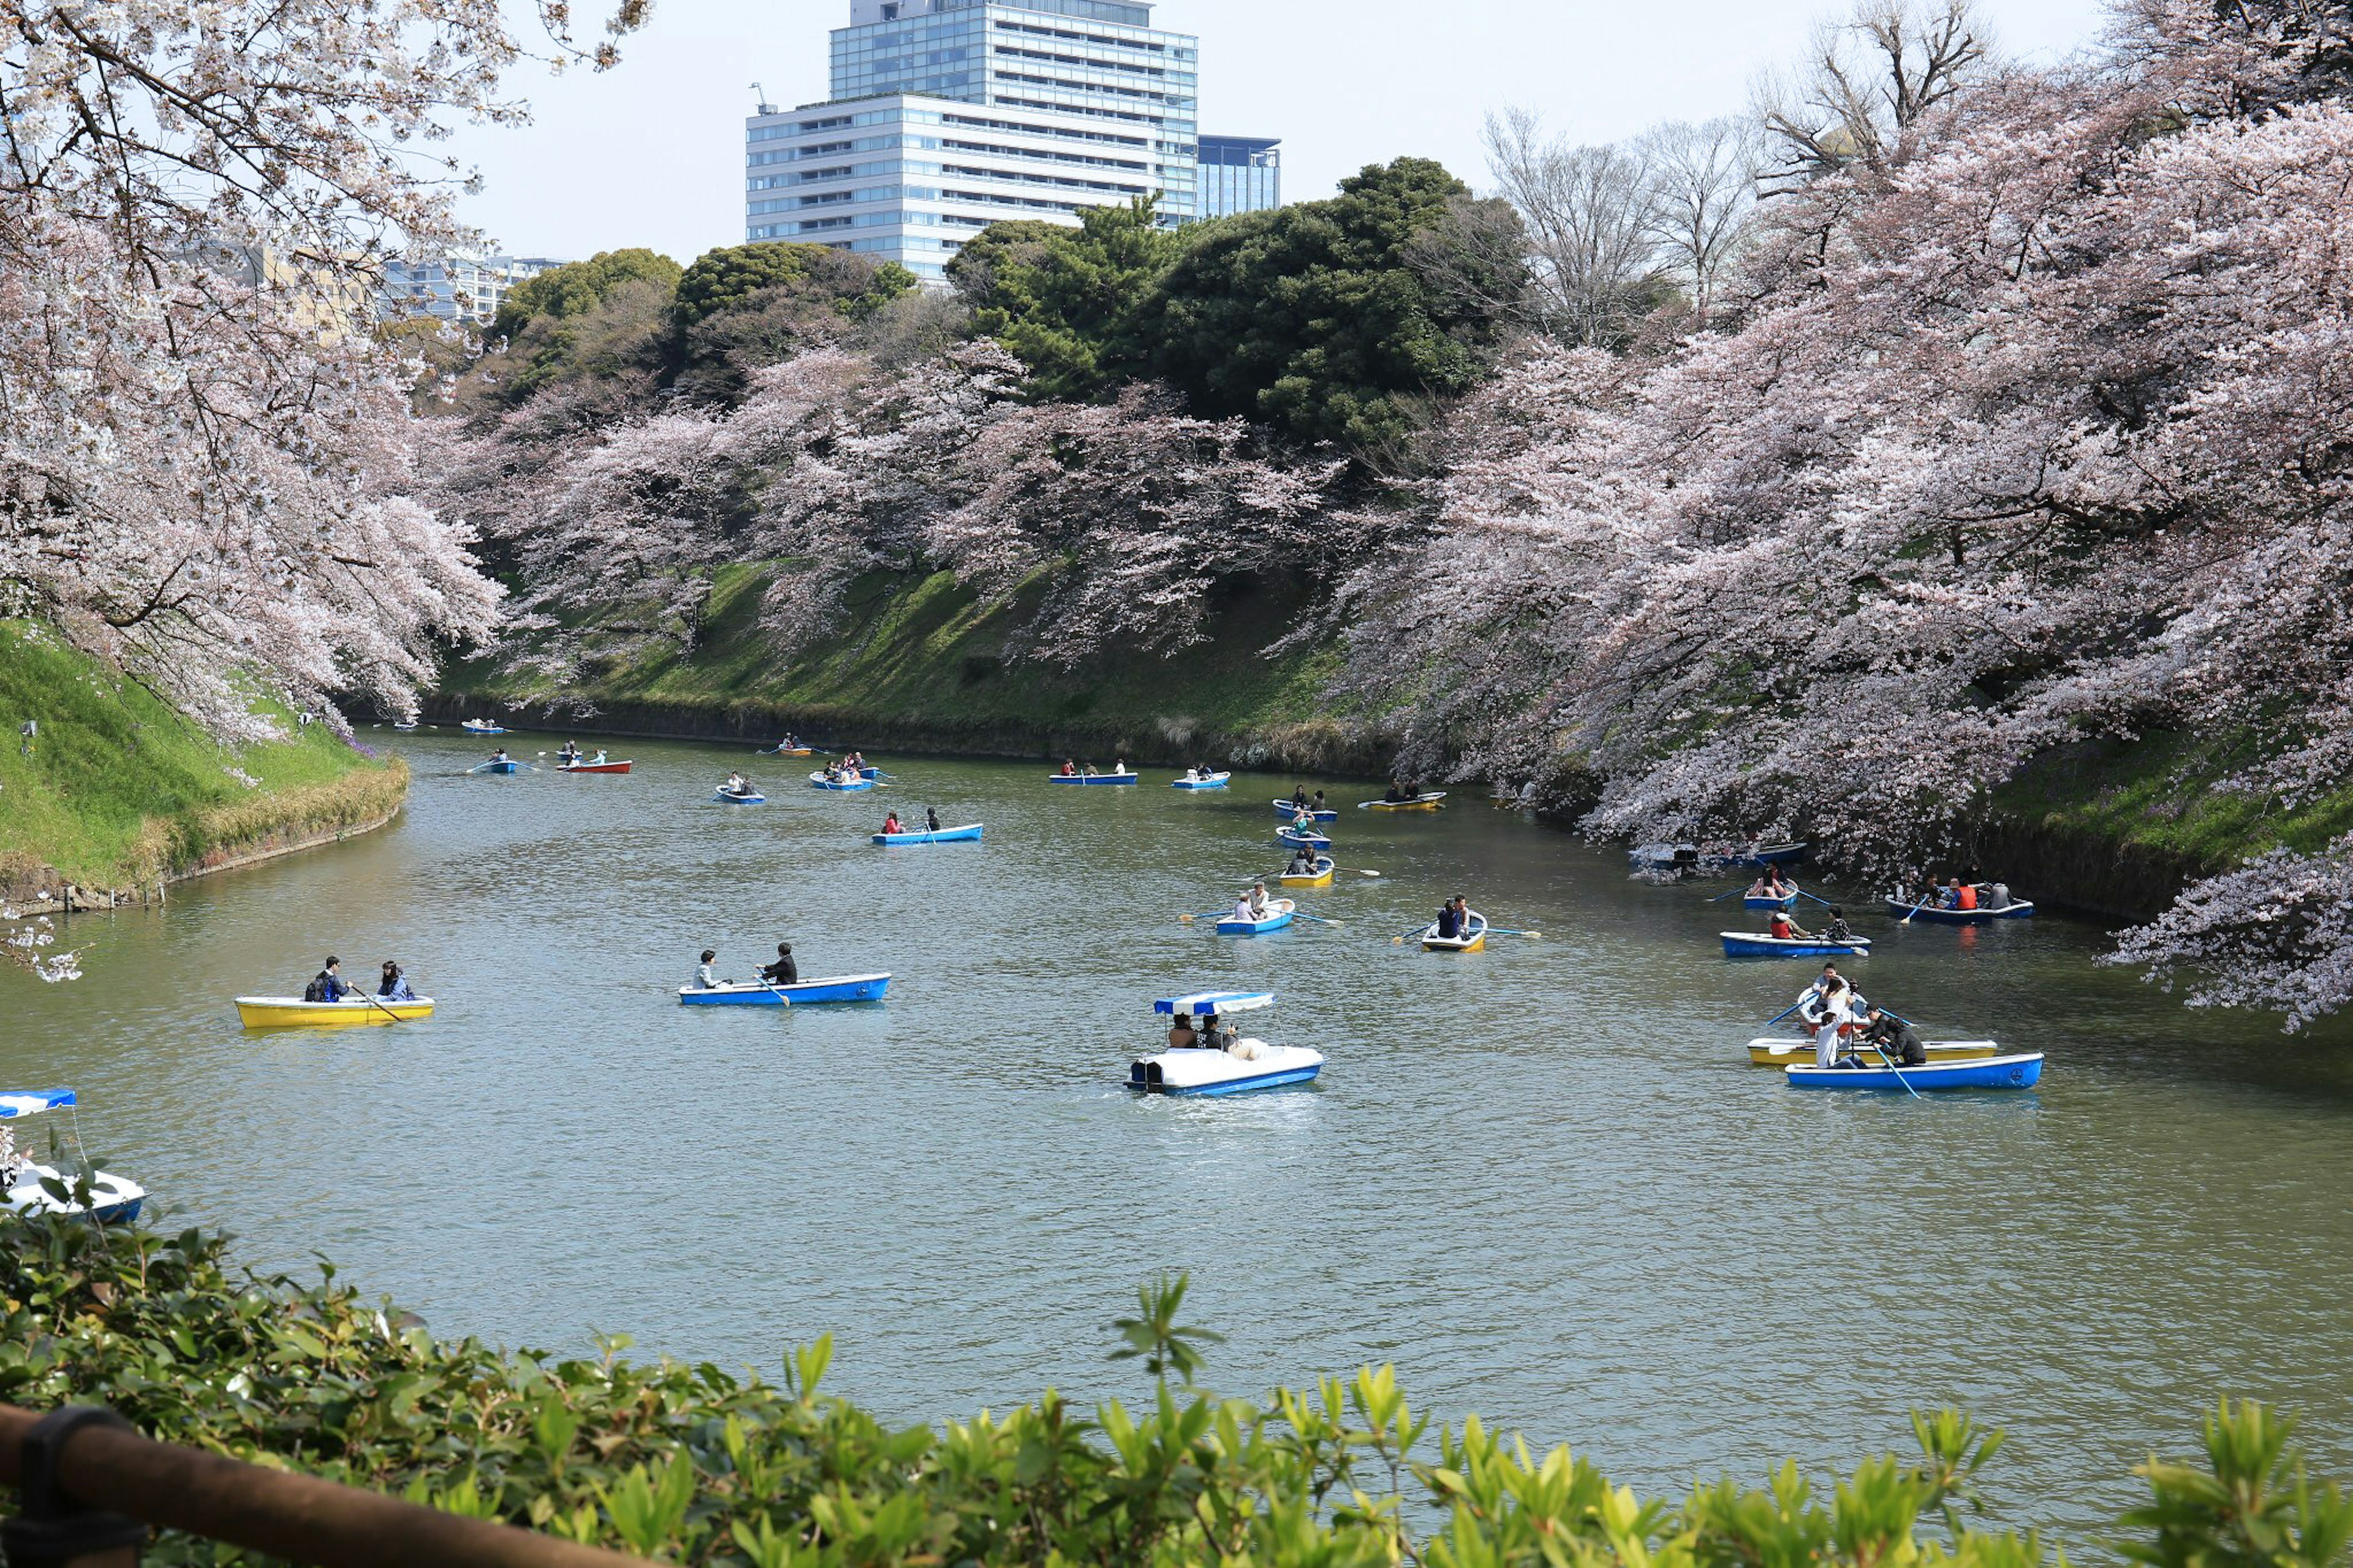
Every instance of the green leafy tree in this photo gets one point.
(727, 277)
(1068, 302)
(1320, 318)
(578, 288)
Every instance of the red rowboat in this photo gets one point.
(593, 767)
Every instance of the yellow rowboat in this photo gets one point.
(1319, 878)
(1782, 1052)
(292, 1011)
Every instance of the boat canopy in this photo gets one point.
(33, 1101)
(1202, 1004)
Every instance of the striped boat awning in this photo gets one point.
(33, 1101)
(1203, 1002)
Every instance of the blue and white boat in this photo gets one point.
(2020, 1069)
(876, 775)
(1757, 944)
(1201, 781)
(1094, 778)
(968, 834)
(482, 727)
(1301, 837)
(1762, 901)
(744, 797)
(1222, 1063)
(502, 765)
(113, 1200)
(407, 727)
(840, 785)
(801, 994)
(1290, 813)
(1279, 913)
(2016, 910)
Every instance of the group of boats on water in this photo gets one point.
(1206, 1054)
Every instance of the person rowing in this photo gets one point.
(736, 785)
(1783, 929)
(568, 754)
(1449, 922)
(931, 819)
(783, 971)
(328, 984)
(1303, 862)
(500, 755)
(1898, 1040)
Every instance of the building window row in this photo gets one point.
(1023, 177)
(1094, 111)
(1064, 134)
(1040, 155)
(1143, 41)
(1015, 51)
(1089, 86)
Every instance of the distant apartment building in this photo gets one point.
(457, 288)
(1239, 175)
(947, 116)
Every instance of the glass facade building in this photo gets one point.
(950, 115)
(1239, 175)
(453, 288)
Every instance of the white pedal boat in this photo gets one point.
(1246, 1064)
(113, 1200)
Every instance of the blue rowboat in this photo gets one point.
(1757, 902)
(1278, 915)
(874, 773)
(1772, 855)
(970, 834)
(1210, 780)
(2021, 1070)
(801, 994)
(408, 729)
(1757, 944)
(1094, 778)
(509, 766)
(482, 727)
(839, 787)
(1296, 837)
(1290, 813)
(749, 797)
(2016, 910)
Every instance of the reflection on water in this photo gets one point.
(1542, 1180)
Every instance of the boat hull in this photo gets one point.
(1094, 778)
(801, 994)
(2021, 1070)
(473, 728)
(293, 1013)
(113, 1199)
(509, 767)
(1279, 915)
(1215, 781)
(1785, 905)
(968, 835)
(1202, 1072)
(1290, 813)
(785, 752)
(2018, 911)
(1750, 944)
(1301, 837)
(1474, 939)
(721, 796)
(1434, 801)
(1320, 877)
(594, 767)
(1783, 1052)
(840, 786)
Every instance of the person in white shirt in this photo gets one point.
(705, 977)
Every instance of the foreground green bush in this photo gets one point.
(693, 1465)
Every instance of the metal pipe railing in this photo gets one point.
(108, 1467)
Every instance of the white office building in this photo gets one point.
(950, 115)
(458, 287)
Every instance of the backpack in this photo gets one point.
(317, 990)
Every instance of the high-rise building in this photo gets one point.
(950, 115)
(1239, 175)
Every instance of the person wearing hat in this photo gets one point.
(783, 971)
(1891, 1034)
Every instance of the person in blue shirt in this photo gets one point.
(395, 986)
(328, 984)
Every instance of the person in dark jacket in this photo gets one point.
(1899, 1039)
(783, 971)
(328, 984)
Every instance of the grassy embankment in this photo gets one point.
(923, 667)
(2124, 825)
(118, 791)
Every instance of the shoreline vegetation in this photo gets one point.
(115, 794)
(694, 1464)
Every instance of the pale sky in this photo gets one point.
(652, 152)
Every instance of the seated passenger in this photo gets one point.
(1450, 924)
(891, 825)
(705, 977)
(1837, 929)
(1966, 898)
(1182, 1035)
(395, 987)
